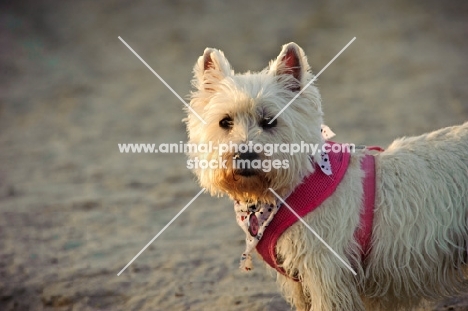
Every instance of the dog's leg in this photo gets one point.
(322, 292)
(331, 287)
(293, 292)
(325, 284)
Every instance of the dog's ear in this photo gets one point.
(210, 68)
(291, 61)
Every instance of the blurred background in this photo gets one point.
(74, 211)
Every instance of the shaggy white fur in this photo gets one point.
(419, 235)
(248, 99)
(420, 230)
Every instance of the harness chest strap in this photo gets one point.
(309, 195)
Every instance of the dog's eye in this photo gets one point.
(266, 123)
(226, 123)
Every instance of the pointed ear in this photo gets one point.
(291, 61)
(210, 68)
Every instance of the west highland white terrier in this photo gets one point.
(390, 226)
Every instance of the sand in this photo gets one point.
(74, 211)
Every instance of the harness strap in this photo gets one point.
(266, 246)
(364, 232)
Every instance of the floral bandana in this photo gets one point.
(254, 219)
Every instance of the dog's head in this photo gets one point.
(243, 110)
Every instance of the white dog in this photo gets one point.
(397, 218)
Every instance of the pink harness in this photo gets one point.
(309, 195)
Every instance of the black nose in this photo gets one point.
(246, 156)
(243, 163)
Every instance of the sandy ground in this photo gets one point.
(74, 211)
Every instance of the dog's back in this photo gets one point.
(420, 233)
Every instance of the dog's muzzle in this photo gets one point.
(242, 162)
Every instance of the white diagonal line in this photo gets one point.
(315, 233)
(162, 80)
(312, 81)
(162, 230)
